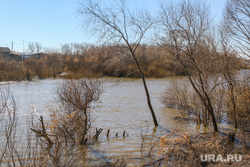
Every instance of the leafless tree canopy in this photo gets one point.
(31, 47)
(78, 95)
(188, 38)
(186, 26)
(114, 22)
(34, 46)
(237, 24)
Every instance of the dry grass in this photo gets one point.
(181, 149)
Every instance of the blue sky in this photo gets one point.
(56, 22)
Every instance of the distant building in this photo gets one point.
(7, 54)
(28, 56)
(4, 51)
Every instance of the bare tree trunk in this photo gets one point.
(53, 68)
(232, 97)
(211, 112)
(234, 108)
(85, 128)
(206, 101)
(227, 71)
(146, 90)
(149, 102)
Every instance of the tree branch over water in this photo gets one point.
(115, 23)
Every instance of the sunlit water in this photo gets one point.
(122, 107)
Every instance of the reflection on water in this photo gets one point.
(122, 107)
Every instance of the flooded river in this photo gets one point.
(122, 107)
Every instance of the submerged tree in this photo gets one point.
(228, 64)
(114, 22)
(186, 35)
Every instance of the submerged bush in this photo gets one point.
(65, 140)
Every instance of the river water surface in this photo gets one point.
(122, 107)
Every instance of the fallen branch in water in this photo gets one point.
(42, 133)
(98, 132)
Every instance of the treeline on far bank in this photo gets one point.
(81, 60)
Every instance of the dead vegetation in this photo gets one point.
(182, 149)
(225, 101)
(13, 151)
(81, 60)
(64, 141)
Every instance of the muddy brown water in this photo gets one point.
(122, 107)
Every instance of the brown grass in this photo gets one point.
(181, 149)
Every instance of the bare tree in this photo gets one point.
(187, 38)
(66, 49)
(31, 47)
(116, 23)
(34, 46)
(38, 47)
(53, 60)
(7, 120)
(13, 151)
(228, 65)
(237, 24)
